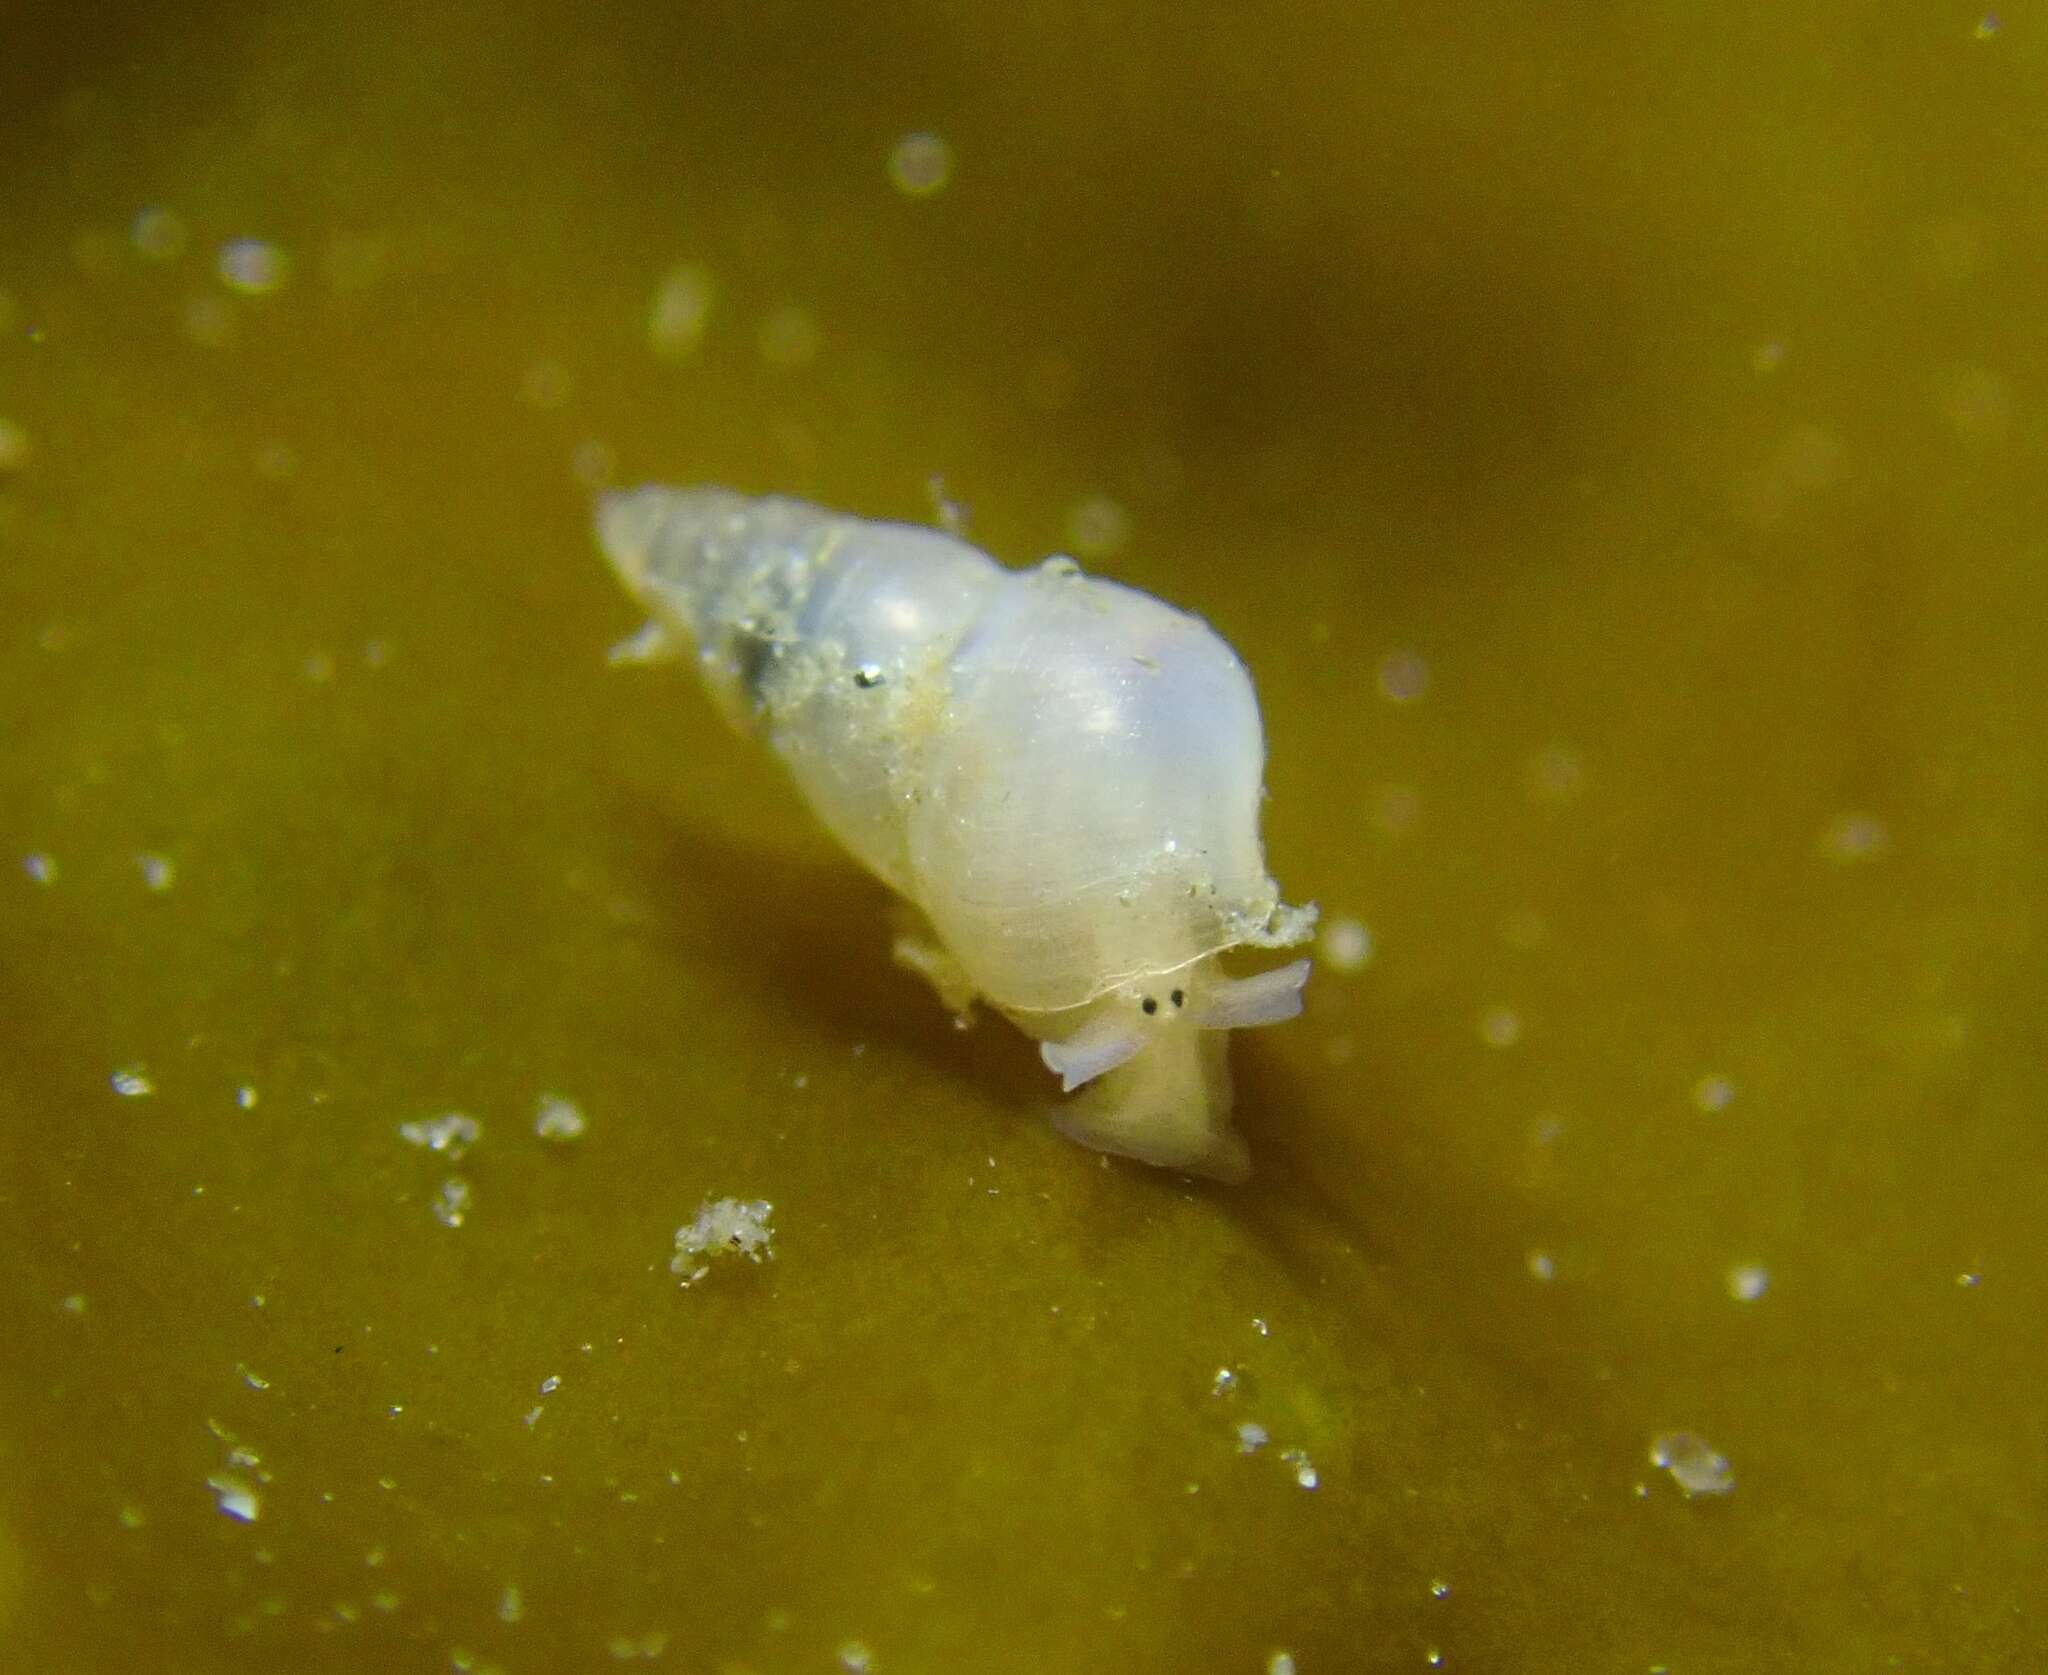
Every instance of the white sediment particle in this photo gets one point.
(1853, 837)
(159, 872)
(1712, 1093)
(246, 1096)
(451, 1134)
(1747, 1281)
(790, 337)
(132, 1081)
(451, 1202)
(41, 868)
(559, 1119)
(1224, 1383)
(550, 1384)
(1097, 527)
(723, 1226)
(14, 448)
(1693, 1464)
(157, 233)
(252, 1378)
(680, 311)
(1439, 1589)
(1542, 1266)
(1403, 677)
(1346, 944)
(547, 385)
(855, 1657)
(1304, 1468)
(236, 1496)
(1500, 1026)
(1251, 1437)
(208, 321)
(920, 165)
(1555, 774)
(648, 1646)
(1280, 1663)
(252, 267)
(511, 1605)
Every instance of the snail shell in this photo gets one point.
(1061, 774)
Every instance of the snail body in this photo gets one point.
(1061, 774)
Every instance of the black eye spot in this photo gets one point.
(1179, 999)
(1150, 1005)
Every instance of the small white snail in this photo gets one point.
(1061, 775)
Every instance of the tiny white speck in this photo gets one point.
(559, 1119)
(855, 1657)
(1280, 1663)
(790, 338)
(157, 233)
(1097, 527)
(1305, 1474)
(1555, 774)
(132, 1082)
(920, 165)
(680, 311)
(75, 1303)
(246, 1096)
(209, 321)
(1251, 1437)
(237, 1498)
(1259, 1326)
(318, 667)
(547, 385)
(251, 1377)
(1712, 1093)
(1969, 1281)
(1224, 1383)
(550, 1384)
(159, 872)
(1439, 1589)
(1433, 1657)
(1849, 838)
(41, 868)
(251, 267)
(511, 1605)
(1346, 944)
(1693, 1464)
(1541, 1266)
(1987, 27)
(1500, 1026)
(14, 448)
(451, 1202)
(1403, 677)
(1747, 1281)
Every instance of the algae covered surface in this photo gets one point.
(1615, 440)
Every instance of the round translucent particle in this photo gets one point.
(920, 165)
(1747, 1281)
(1712, 1093)
(157, 233)
(14, 448)
(1500, 1026)
(681, 308)
(1404, 677)
(133, 1082)
(790, 338)
(252, 267)
(1346, 944)
(1097, 526)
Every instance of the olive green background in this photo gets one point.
(1668, 379)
